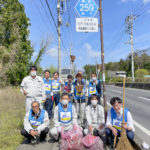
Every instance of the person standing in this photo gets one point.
(56, 87)
(32, 87)
(47, 84)
(69, 88)
(94, 88)
(79, 95)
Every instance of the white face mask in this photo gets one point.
(33, 73)
(64, 101)
(94, 78)
(94, 102)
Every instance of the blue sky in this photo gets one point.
(86, 46)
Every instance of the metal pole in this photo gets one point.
(102, 59)
(59, 48)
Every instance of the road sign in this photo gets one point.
(86, 8)
(86, 24)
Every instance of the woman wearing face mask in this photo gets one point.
(94, 88)
(64, 115)
(94, 114)
(33, 88)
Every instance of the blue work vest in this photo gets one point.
(92, 89)
(36, 122)
(115, 121)
(55, 85)
(65, 117)
(47, 86)
(77, 95)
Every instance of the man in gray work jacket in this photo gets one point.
(36, 123)
(33, 88)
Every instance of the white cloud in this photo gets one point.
(53, 52)
(146, 1)
(34, 54)
(90, 52)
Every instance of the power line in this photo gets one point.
(47, 17)
(55, 23)
(51, 14)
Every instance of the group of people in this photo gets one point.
(77, 102)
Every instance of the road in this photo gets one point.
(138, 102)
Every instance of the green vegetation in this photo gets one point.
(12, 111)
(15, 48)
(141, 66)
(141, 72)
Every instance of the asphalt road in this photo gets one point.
(138, 102)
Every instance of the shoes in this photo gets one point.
(42, 141)
(27, 141)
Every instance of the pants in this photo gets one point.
(29, 101)
(130, 135)
(99, 100)
(49, 107)
(42, 135)
(56, 98)
(80, 107)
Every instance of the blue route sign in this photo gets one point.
(86, 8)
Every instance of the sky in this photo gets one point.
(86, 46)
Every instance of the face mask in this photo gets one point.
(33, 73)
(94, 78)
(64, 101)
(94, 102)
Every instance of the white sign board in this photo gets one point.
(86, 25)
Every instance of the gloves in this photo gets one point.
(59, 129)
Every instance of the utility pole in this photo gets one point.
(59, 36)
(102, 58)
(129, 30)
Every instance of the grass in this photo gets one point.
(12, 111)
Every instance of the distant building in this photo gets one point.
(112, 74)
(121, 73)
(64, 74)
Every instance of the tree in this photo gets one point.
(16, 50)
(141, 72)
(89, 69)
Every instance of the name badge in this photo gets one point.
(92, 90)
(35, 124)
(55, 85)
(65, 116)
(47, 87)
(117, 124)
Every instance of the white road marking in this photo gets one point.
(146, 131)
(116, 91)
(147, 99)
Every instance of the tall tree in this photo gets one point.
(16, 50)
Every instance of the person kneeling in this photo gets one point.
(36, 124)
(94, 114)
(64, 116)
(114, 121)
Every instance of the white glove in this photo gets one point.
(51, 94)
(59, 129)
